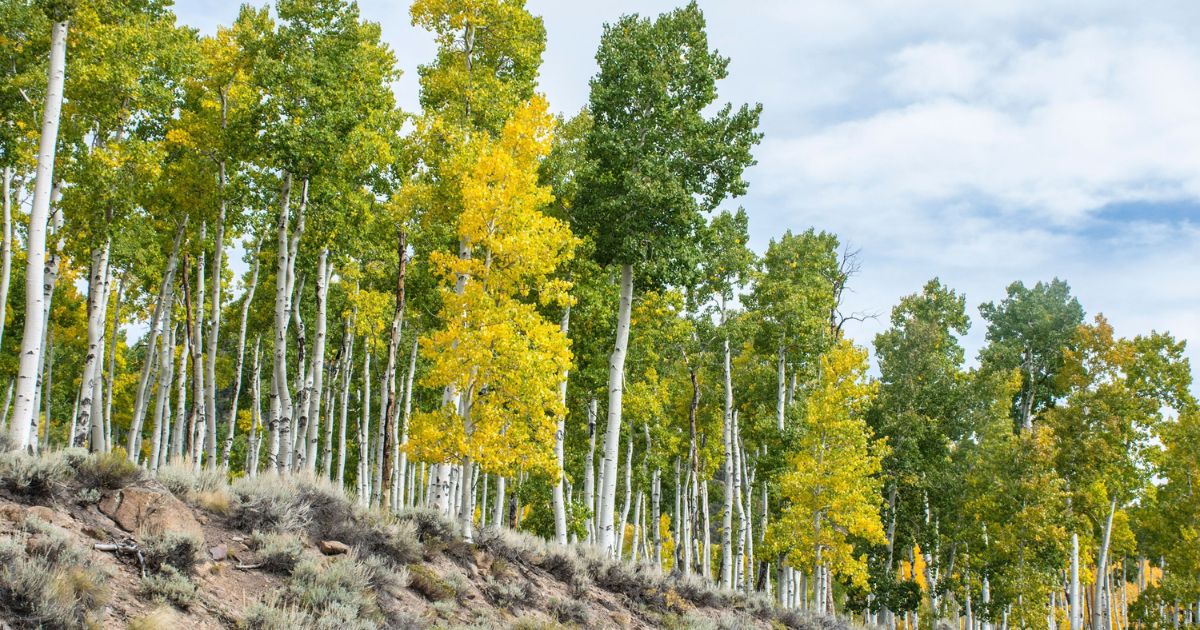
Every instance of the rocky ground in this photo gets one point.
(116, 549)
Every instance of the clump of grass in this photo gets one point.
(431, 525)
(47, 583)
(171, 551)
(429, 585)
(511, 545)
(700, 592)
(274, 615)
(509, 593)
(277, 552)
(529, 622)
(267, 503)
(160, 618)
(169, 586)
(565, 565)
(108, 471)
(206, 488)
(32, 478)
(338, 587)
(569, 611)
(381, 575)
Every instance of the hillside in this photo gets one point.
(92, 541)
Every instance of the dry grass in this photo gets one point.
(47, 582)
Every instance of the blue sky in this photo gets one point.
(981, 142)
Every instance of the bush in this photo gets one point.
(336, 590)
(169, 586)
(700, 592)
(509, 593)
(183, 480)
(33, 478)
(511, 545)
(381, 575)
(108, 471)
(569, 611)
(271, 615)
(277, 552)
(267, 503)
(564, 564)
(160, 618)
(427, 583)
(48, 583)
(171, 551)
(430, 524)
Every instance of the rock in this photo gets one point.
(218, 553)
(12, 513)
(333, 547)
(147, 512)
(46, 514)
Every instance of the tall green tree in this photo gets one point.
(1029, 330)
(657, 163)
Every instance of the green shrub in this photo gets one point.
(47, 583)
(169, 586)
(569, 611)
(277, 552)
(430, 524)
(184, 481)
(33, 478)
(272, 615)
(108, 471)
(338, 586)
(427, 583)
(512, 593)
(565, 565)
(171, 551)
(267, 503)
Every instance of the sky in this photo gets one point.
(979, 142)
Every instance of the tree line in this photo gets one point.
(554, 323)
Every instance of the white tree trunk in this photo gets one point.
(406, 497)
(166, 356)
(180, 425)
(198, 425)
(466, 514)
(560, 508)
(281, 398)
(730, 474)
(214, 330)
(112, 365)
(1098, 612)
(86, 423)
(616, 386)
(247, 299)
(6, 250)
(589, 473)
(364, 431)
(781, 392)
(619, 543)
(31, 340)
(253, 444)
(162, 307)
(498, 513)
(324, 272)
(343, 415)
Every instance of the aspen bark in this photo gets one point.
(730, 474)
(391, 410)
(214, 330)
(6, 250)
(281, 398)
(364, 463)
(31, 341)
(112, 364)
(180, 422)
(589, 472)
(247, 299)
(254, 443)
(560, 508)
(616, 388)
(162, 306)
(199, 420)
(343, 414)
(317, 373)
(1098, 616)
(86, 424)
(406, 497)
(166, 355)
